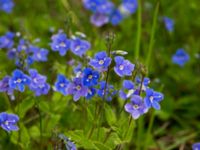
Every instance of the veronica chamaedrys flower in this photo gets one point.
(77, 89)
(68, 143)
(60, 43)
(136, 108)
(61, 84)
(39, 54)
(153, 98)
(6, 5)
(93, 4)
(105, 8)
(169, 23)
(123, 67)
(99, 19)
(79, 46)
(100, 61)
(38, 83)
(90, 93)
(196, 146)
(19, 80)
(129, 7)
(90, 77)
(108, 93)
(115, 17)
(8, 121)
(128, 89)
(78, 70)
(4, 85)
(6, 41)
(145, 83)
(180, 57)
(22, 46)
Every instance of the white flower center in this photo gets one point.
(101, 62)
(62, 44)
(135, 106)
(151, 98)
(90, 77)
(19, 81)
(121, 67)
(78, 87)
(62, 84)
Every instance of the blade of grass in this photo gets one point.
(151, 44)
(139, 29)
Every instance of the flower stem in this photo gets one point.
(40, 116)
(139, 29)
(150, 50)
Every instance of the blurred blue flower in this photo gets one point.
(145, 83)
(22, 46)
(136, 108)
(101, 61)
(60, 43)
(180, 57)
(90, 77)
(90, 93)
(196, 146)
(39, 54)
(4, 85)
(92, 5)
(129, 6)
(68, 143)
(153, 98)
(61, 84)
(6, 41)
(77, 89)
(6, 5)
(105, 8)
(169, 24)
(79, 46)
(38, 83)
(128, 89)
(19, 80)
(123, 67)
(116, 17)
(109, 93)
(8, 121)
(99, 19)
(78, 70)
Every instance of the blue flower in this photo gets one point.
(19, 80)
(90, 77)
(4, 85)
(136, 108)
(79, 46)
(77, 89)
(101, 61)
(39, 54)
(6, 41)
(61, 84)
(145, 83)
(60, 43)
(128, 89)
(92, 5)
(169, 23)
(90, 93)
(78, 70)
(109, 93)
(38, 83)
(116, 17)
(6, 5)
(153, 98)
(8, 121)
(12, 53)
(99, 19)
(180, 57)
(196, 146)
(22, 46)
(123, 67)
(68, 143)
(129, 6)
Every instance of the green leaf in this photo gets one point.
(110, 115)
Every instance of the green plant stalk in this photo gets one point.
(149, 129)
(40, 117)
(139, 29)
(151, 44)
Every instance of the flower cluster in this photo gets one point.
(8, 121)
(105, 11)
(61, 43)
(6, 5)
(24, 53)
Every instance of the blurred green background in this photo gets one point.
(176, 125)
